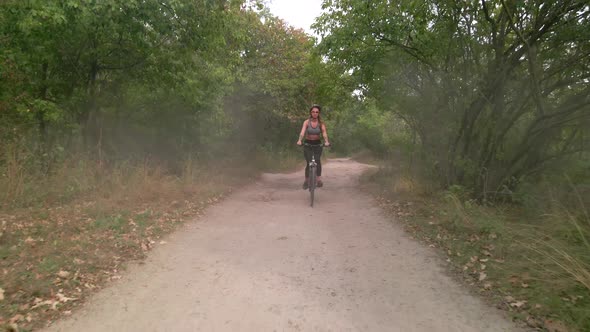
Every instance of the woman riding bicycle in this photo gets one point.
(311, 130)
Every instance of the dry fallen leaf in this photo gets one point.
(555, 326)
(63, 298)
(514, 280)
(482, 276)
(524, 285)
(16, 318)
(534, 322)
(63, 274)
(518, 304)
(39, 302)
(487, 286)
(1, 294)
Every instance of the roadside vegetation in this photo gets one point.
(479, 113)
(487, 95)
(119, 120)
(530, 260)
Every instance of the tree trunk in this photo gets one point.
(43, 144)
(90, 118)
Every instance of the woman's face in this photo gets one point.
(315, 112)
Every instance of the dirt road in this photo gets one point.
(263, 260)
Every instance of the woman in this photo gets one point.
(311, 130)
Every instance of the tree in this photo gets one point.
(83, 60)
(495, 90)
(275, 86)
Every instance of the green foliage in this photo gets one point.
(511, 253)
(274, 89)
(492, 91)
(134, 81)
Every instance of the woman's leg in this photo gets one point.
(318, 159)
(319, 162)
(307, 155)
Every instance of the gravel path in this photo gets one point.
(263, 260)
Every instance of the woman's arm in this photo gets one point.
(302, 133)
(325, 133)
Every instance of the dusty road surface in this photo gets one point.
(263, 260)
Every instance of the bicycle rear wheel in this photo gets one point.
(312, 184)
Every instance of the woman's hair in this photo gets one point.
(319, 114)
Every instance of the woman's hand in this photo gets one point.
(327, 144)
(299, 143)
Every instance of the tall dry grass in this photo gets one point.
(563, 241)
(556, 242)
(81, 178)
(282, 160)
(534, 251)
(13, 176)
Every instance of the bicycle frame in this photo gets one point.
(312, 172)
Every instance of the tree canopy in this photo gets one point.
(494, 90)
(489, 91)
(122, 78)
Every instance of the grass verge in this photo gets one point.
(533, 264)
(78, 229)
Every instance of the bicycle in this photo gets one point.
(312, 171)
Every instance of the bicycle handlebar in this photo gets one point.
(316, 145)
